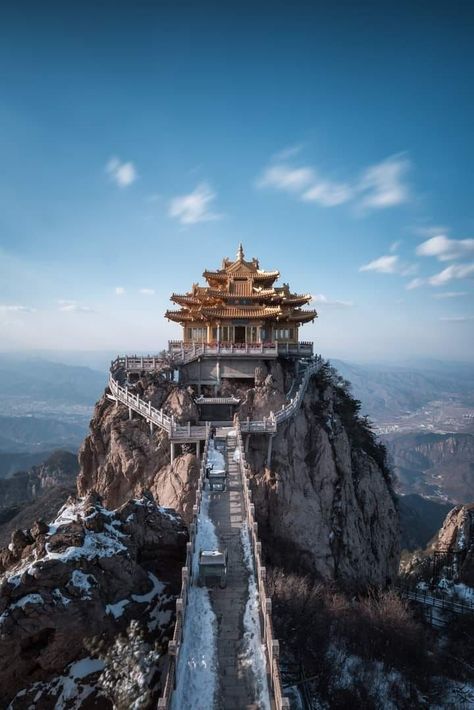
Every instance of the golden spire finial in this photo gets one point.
(240, 253)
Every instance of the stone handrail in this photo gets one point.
(268, 425)
(272, 647)
(189, 351)
(290, 409)
(174, 646)
(156, 416)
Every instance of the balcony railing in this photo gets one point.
(188, 350)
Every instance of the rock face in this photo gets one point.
(447, 564)
(457, 535)
(326, 503)
(87, 574)
(121, 456)
(38, 492)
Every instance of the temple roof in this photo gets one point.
(240, 290)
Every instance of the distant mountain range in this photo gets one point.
(396, 393)
(44, 406)
(437, 466)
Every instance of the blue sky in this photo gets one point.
(140, 142)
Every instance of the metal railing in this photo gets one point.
(174, 646)
(271, 644)
(428, 597)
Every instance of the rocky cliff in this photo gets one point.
(325, 504)
(91, 573)
(447, 564)
(122, 455)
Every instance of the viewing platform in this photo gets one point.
(186, 351)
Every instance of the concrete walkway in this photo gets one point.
(227, 513)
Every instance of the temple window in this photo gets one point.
(284, 333)
(198, 334)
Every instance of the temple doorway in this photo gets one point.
(239, 334)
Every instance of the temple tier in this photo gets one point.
(241, 306)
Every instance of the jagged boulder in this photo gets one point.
(88, 574)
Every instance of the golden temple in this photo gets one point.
(241, 305)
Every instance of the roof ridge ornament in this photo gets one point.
(240, 253)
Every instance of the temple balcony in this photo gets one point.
(187, 350)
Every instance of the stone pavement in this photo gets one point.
(226, 510)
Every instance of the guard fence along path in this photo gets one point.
(223, 654)
(157, 417)
(243, 653)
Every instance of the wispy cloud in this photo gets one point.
(119, 291)
(455, 271)
(147, 291)
(384, 184)
(457, 319)
(415, 283)
(73, 307)
(387, 264)
(323, 300)
(450, 273)
(328, 193)
(381, 185)
(451, 294)
(121, 173)
(445, 249)
(194, 207)
(286, 178)
(16, 309)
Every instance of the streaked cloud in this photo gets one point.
(381, 185)
(328, 194)
(73, 307)
(384, 183)
(445, 249)
(147, 291)
(456, 319)
(387, 264)
(455, 271)
(194, 207)
(16, 309)
(451, 294)
(286, 178)
(322, 300)
(119, 291)
(450, 273)
(121, 173)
